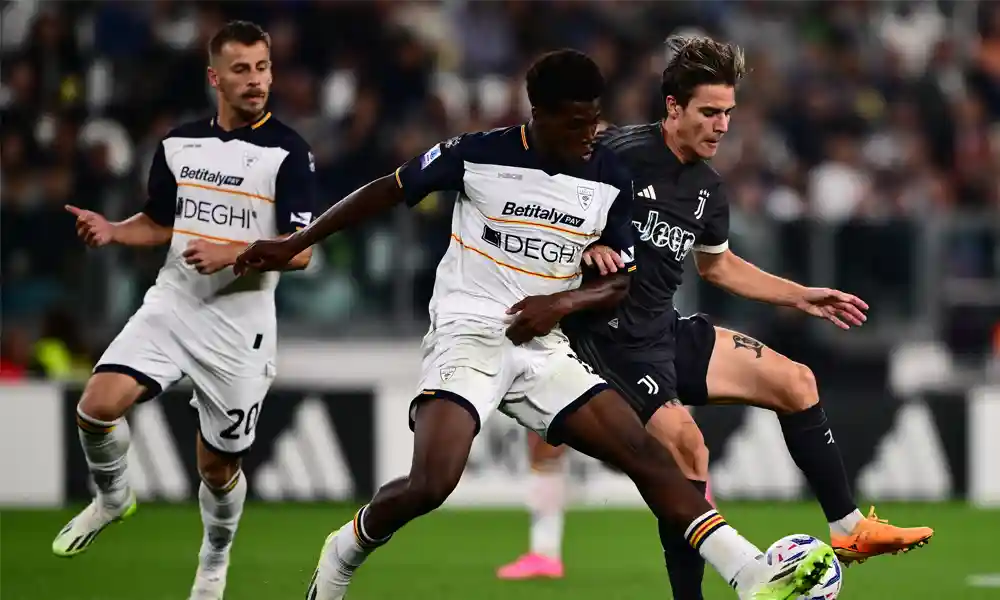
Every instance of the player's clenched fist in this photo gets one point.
(535, 316)
(266, 255)
(92, 227)
(207, 257)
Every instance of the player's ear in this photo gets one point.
(673, 109)
(213, 78)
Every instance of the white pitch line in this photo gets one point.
(990, 580)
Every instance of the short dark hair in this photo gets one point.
(241, 32)
(563, 76)
(695, 61)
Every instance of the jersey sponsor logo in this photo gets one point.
(542, 213)
(216, 214)
(430, 156)
(585, 195)
(534, 248)
(663, 235)
(209, 176)
(302, 218)
(647, 192)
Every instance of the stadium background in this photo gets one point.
(863, 155)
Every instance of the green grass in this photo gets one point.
(451, 555)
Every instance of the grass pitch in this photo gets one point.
(451, 555)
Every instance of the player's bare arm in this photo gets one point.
(211, 257)
(739, 277)
(138, 230)
(362, 204)
(538, 315)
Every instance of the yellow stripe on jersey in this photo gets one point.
(209, 237)
(511, 267)
(399, 181)
(631, 268)
(263, 120)
(543, 225)
(524, 136)
(212, 188)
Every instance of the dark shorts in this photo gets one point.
(673, 368)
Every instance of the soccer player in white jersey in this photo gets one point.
(215, 185)
(531, 199)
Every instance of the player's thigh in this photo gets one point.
(674, 427)
(229, 406)
(138, 365)
(443, 432)
(553, 383)
(745, 371)
(468, 369)
(646, 379)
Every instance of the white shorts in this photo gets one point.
(537, 384)
(157, 349)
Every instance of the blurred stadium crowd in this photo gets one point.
(862, 125)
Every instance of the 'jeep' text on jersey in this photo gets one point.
(252, 183)
(679, 207)
(519, 226)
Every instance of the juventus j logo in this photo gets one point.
(652, 388)
(829, 436)
(702, 197)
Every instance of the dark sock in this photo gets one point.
(685, 566)
(811, 445)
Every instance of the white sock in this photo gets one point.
(735, 558)
(220, 515)
(348, 545)
(105, 445)
(846, 525)
(547, 503)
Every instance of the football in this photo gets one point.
(786, 552)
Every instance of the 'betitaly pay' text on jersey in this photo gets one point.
(237, 186)
(520, 225)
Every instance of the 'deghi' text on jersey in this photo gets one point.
(679, 207)
(243, 185)
(519, 226)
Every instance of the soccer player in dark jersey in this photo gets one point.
(531, 198)
(659, 360)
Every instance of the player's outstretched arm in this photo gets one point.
(138, 230)
(739, 277)
(359, 206)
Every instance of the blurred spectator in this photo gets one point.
(60, 351)
(854, 112)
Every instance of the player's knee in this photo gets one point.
(799, 387)
(107, 396)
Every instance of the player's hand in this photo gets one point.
(841, 309)
(603, 258)
(92, 227)
(265, 255)
(534, 316)
(208, 257)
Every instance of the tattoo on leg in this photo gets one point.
(742, 341)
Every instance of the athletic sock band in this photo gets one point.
(365, 540)
(702, 527)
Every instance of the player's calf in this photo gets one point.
(443, 435)
(104, 436)
(606, 428)
(674, 427)
(221, 496)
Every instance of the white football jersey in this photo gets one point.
(519, 227)
(206, 183)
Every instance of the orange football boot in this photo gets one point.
(874, 536)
